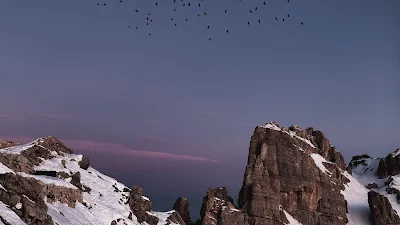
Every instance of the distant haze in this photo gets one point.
(73, 70)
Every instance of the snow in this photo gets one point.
(292, 221)
(49, 180)
(10, 216)
(146, 198)
(318, 160)
(2, 187)
(4, 169)
(395, 153)
(356, 195)
(18, 205)
(19, 148)
(163, 216)
(272, 126)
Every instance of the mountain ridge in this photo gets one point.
(293, 176)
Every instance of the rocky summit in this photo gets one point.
(293, 176)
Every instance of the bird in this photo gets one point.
(129, 26)
(174, 9)
(205, 14)
(104, 4)
(137, 28)
(226, 10)
(136, 10)
(248, 23)
(120, 1)
(189, 4)
(208, 27)
(227, 31)
(251, 11)
(276, 18)
(149, 34)
(172, 19)
(176, 24)
(156, 3)
(98, 3)
(147, 24)
(198, 14)
(255, 9)
(283, 20)
(199, 4)
(209, 39)
(288, 15)
(265, 3)
(259, 21)
(302, 23)
(186, 19)
(147, 18)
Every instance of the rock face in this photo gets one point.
(280, 171)
(181, 206)
(381, 210)
(84, 163)
(389, 166)
(7, 144)
(218, 209)
(141, 206)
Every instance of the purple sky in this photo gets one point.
(73, 70)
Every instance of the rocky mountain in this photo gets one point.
(44, 183)
(293, 176)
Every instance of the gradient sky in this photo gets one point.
(73, 70)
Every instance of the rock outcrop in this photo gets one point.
(84, 163)
(181, 206)
(141, 207)
(281, 171)
(390, 165)
(7, 144)
(218, 209)
(381, 210)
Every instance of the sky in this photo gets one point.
(173, 112)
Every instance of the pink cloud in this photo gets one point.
(85, 145)
(7, 116)
(51, 115)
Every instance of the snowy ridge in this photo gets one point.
(105, 202)
(272, 126)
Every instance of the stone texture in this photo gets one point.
(218, 209)
(176, 219)
(141, 207)
(84, 163)
(181, 206)
(381, 210)
(7, 144)
(278, 172)
(389, 166)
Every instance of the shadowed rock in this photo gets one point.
(381, 210)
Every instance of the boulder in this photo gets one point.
(381, 210)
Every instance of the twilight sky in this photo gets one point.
(173, 112)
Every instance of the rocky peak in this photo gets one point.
(390, 165)
(218, 208)
(141, 206)
(284, 171)
(181, 206)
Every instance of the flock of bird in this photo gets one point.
(197, 3)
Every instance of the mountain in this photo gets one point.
(293, 176)
(43, 182)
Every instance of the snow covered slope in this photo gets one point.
(104, 198)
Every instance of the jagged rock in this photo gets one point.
(181, 206)
(76, 180)
(7, 144)
(54, 144)
(218, 208)
(390, 165)
(372, 186)
(84, 163)
(113, 222)
(280, 171)
(25, 191)
(141, 207)
(176, 219)
(381, 210)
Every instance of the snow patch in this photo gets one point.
(4, 169)
(49, 180)
(9, 215)
(318, 160)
